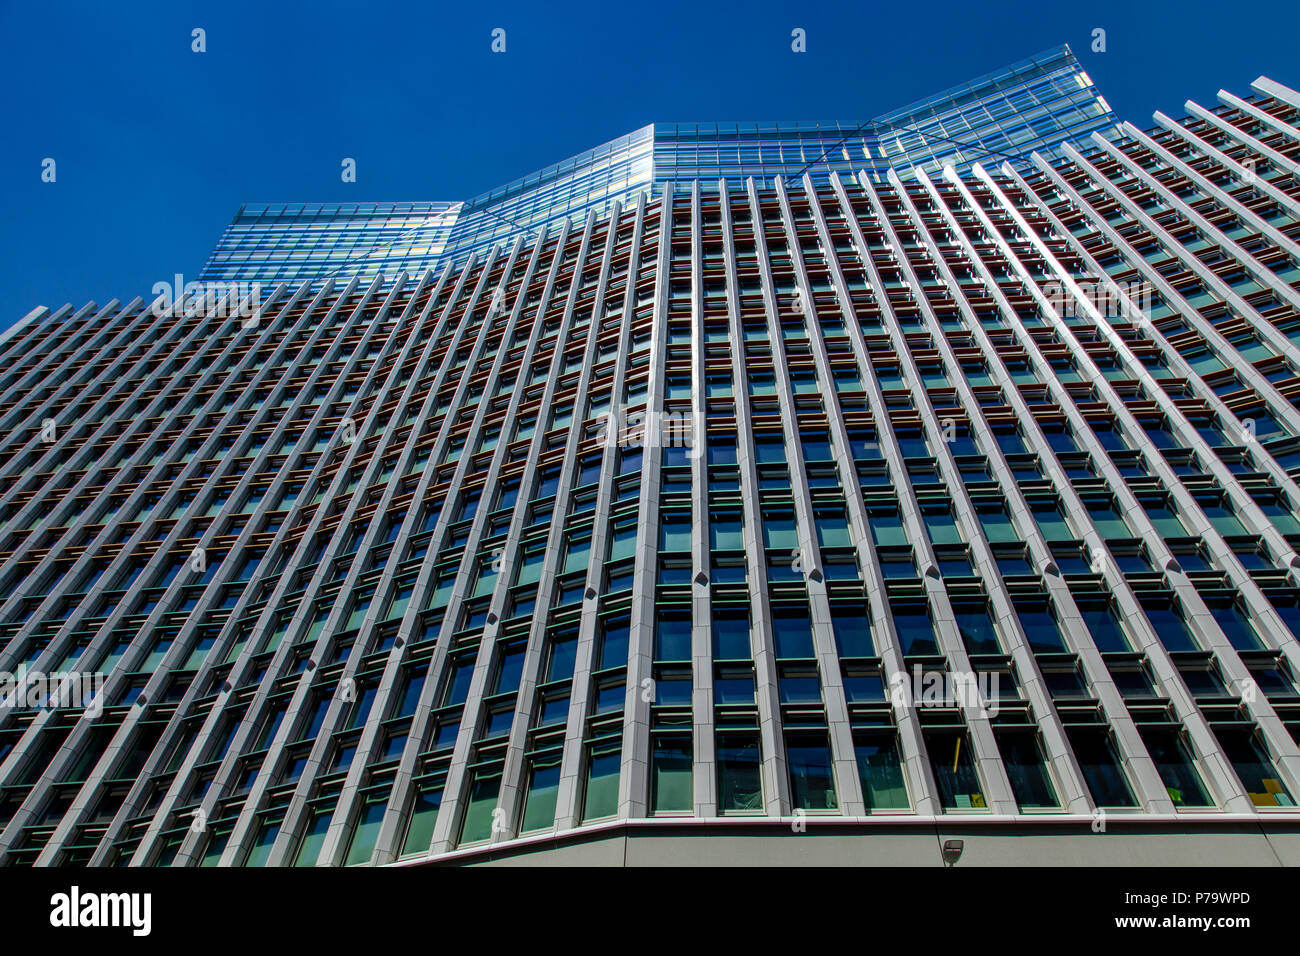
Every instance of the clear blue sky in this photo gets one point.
(156, 146)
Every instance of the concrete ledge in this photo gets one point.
(1018, 842)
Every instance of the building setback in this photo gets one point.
(846, 508)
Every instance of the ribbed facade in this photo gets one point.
(664, 517)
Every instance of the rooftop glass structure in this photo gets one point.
(1037, 105)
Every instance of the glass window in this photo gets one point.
(1104, 627)
(602, 781)
(880, 771)
(543, 788)
(1169, 625)
(812, 784)
(614, 642)
(1095, 753)
(367, 828)
(1040, 627)
(673, 636)
(792, 633)
(318, 823)
(731, 635)
(976, 628)
(739, 785)
(915, 629)
(1031, 784)
(485, 783)
(670, 774)
(852, 629)
(1234, 624)
(424, 814)
(1174, 764)
(1253, 766)
(954, 770)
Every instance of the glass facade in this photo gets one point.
(1034, 105)
(847, 499)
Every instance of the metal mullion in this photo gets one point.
(776, 783)
(180, 644)
(253, 713)
(1227, 482)
(570, 795)
(838, 722)
(1150, 788)
(1261, 272)
(513, 779)
(458, 776)
(82, 455)
(1233, 131)
(396, 813)
(287, 838)
(272, 610)
(1262, 710)
(704, 796)
(61, 356)
(122, 475)
(1172, 412)
(332, 846)
(1049, 723)
(438, 660)
(341, 825)
(341, 334)
(1200, 146)
(1188, 595)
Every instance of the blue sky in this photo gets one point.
(157, 146)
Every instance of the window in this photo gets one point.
(731, 635)
(373, 805)
(1106, 518)
(779, 530)
(1104, 627)
(880, 771)
(726, 530)
(954, 770)
(543, 788)
(614, 642)
(1095, 753)
(792, 633)
(673, 636)
(1174, 764)
(1040, 627)
(740, 788)
(1031, 784)
(812, 784)
(1170, 626)
(563, 656)
(940, 525)
(1051, 523)
(852, 627)
(976, 628)
(1252, 765)
(915, 628)
(671, 760)
(602, 781)
(1234, 624)
(675, 532)
(485, 783)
